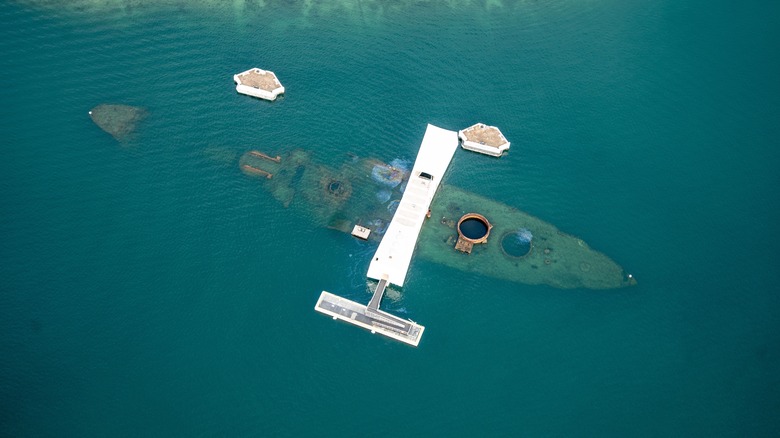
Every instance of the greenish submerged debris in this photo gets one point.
(520, 247)
(118, 120)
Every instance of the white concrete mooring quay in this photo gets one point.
(484, 139)
(391, 260)
(258, 83)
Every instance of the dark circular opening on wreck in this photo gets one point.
(516, 244)
(474, 228)
(334, 187)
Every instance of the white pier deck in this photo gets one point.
(392, 258)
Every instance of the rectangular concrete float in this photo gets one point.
(394, 255)
(361, 232)
(377, 321)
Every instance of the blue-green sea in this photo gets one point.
(149, 288)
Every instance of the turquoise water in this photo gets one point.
(151, 289)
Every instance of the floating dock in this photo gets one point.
(258, 83)
(391, 260)
(370, 317)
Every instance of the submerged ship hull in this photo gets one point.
(521, 247)
(553, 257)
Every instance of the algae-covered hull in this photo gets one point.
(520, 247)
(118, 120)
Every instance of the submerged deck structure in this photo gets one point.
(394, 254)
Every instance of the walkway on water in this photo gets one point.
(394, 254)
(377, 297)
(403, 330)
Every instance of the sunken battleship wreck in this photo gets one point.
(494, 239)
(409, 211)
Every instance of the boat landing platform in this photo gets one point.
(377, 321)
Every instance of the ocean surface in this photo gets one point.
(149, 288)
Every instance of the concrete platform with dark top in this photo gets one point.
(375, 320)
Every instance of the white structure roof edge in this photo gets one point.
(395, 251)
(484, 149)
